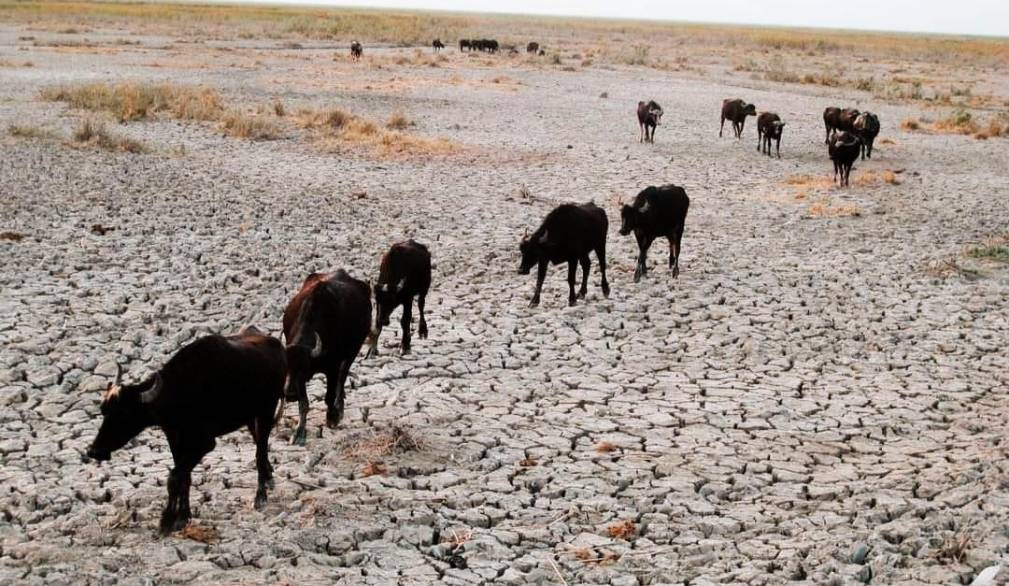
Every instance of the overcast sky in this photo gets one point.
(979, 17)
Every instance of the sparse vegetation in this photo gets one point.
(382, 444)
(93, 133)
(994, 249)
(826, 208)
(242, 125)
(133, 101)
(399, 121)
(625, 530)
(25, 131)
(335, 129)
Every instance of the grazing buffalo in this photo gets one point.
(405, 273)
(209, 388)
(736, 111)
(438, 45)
(464, 45)
(649, 116)
(533, 47)
(843, 150)
(769, 127)
(866, 126)
(356, 50)
(325, 326)
(656, 212)
(569, 233)
(836, 119)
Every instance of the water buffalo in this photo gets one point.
(569, 233)
(656, 212)
(404, 273)
(866, 126)
(211, 387)
(843, 150)
(356, 50)
(736, 111)
(836, 119)
(649, 116)
(769, 127)
(325, 325)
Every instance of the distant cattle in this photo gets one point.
(736, 111)
(211, 387)
(325, 325)
(533, 47)
(843, 150)
(464, 45)
(405, 273)
(568, 234)
(866, 126)
(769, 127)
(438, 45)
(486, 45)
(356, 50)
(836, 119)
(649, 116)
(656, 212)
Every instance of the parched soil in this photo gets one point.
(820, 396)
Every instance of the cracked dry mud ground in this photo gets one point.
(804, 390)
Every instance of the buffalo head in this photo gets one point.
(125, 413)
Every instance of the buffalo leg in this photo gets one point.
(643, 245)
(641, 132)
(335, 393)
(601, 256)
(541, 274)
(422, 326)
(674, 251)
(760, 141)
(299, 433)
(586, 264)
(572, 269)
(721, 128)
(186, 456)
(777, 147)
(261, 428)
(826, 139)
(404, 322)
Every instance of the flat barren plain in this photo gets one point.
(820, 397)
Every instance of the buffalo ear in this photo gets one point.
(644, 208)
(543, 237)
(151, 394)
(401, 285)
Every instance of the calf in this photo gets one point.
(438, 45)
(843, 150)
(836, 119)
(405, 273)
(656, 211)
(736, 111)
(209, 388)
(533, 47)
(866, 126)
(769, 127)
(325, 326)
(649, 116)
(569, 233)
(356, 50)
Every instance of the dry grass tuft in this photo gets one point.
(954, 548)
(959, 122)
(279, 109)
(825, 208)
(381, 444)
(93, 133)
(910, 124)
(11, 236)
(622, 530)
(373, 469)
(132, 101)
(199, 533)
(873, 178)
(399, 121)
(995, 249)
(605, 447)
(242, 125)
(336, 129)
(20, 131)
(458, 540)
(528, 462)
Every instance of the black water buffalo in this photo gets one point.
(736, 111)
(325, 326)
(209, 388)
(533, 47)
(438, 45)
(464, 45)
(843, 150)
(769, 127)
(356, 50)
(836, 120)
(866, 127)
(405, 273)
(656, 212)
(569, 233)
(649, 116)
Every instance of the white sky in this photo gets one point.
(978, 17)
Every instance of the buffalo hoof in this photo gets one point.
(676, 272)
(535, 302)
(171, 523)
(582, 293)
(298, 439)
(333, 418)
(606, 290)
(637, 276)
(572, 302)
(260, 499)
(405, 350)
(372, 352)
(422, 330)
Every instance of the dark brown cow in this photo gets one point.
(769, 127)
(405, 273)
(211, 387)
(866, 126)
(736, 111)
(649, 116)
(843, 150)
(836, 119)
(325, 326)
(569, 233)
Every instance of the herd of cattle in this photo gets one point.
(484, 45)
(217, 384)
